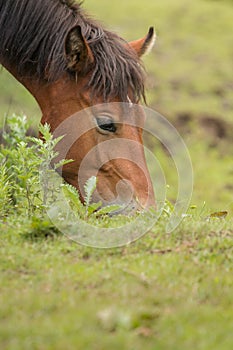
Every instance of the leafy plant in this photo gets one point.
(89, 208)
(73, 198)
(23, 160)
(5, 190)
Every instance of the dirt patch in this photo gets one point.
(212, 128)
(215, 128)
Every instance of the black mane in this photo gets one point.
(32, 40)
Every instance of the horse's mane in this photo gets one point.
(32, 40)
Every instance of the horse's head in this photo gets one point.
(70, 64)
(99, 80)
(105, 140)
(107, 134)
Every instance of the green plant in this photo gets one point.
(5, 191)
(24, 160)
(89, 208)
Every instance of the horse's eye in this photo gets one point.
(106, 124)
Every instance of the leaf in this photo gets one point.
(109, 209)
(62, 162)
(45, 131)
(72, 195)
(93, 207)
(89, 189)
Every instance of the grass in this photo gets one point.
(213, 175)
(165, 291)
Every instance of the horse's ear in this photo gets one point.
(78, 53)
(144, 45)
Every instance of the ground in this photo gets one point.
(165, 291)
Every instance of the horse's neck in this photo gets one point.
(33, 86)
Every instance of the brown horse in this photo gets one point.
(68, 62)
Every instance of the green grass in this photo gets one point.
(165, 291)
(162, 292)
(213, 175)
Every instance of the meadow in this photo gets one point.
(166, 290)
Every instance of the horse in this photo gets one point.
(69, 63)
